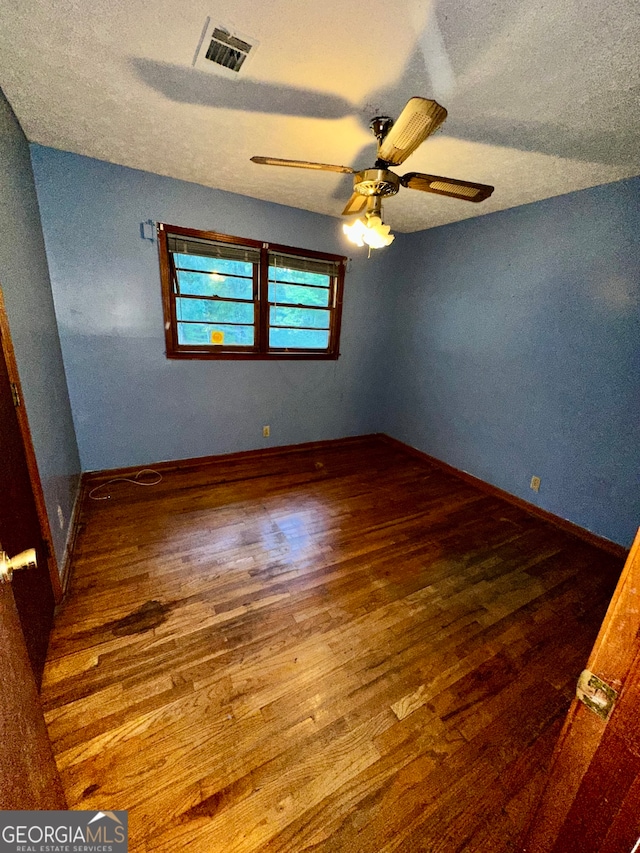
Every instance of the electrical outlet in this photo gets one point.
(60, 517)
(535, 484)
(266, 431)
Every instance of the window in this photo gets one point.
(228, 297)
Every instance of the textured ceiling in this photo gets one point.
(542, 95)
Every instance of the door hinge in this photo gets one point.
(15, 393)
(596, 694)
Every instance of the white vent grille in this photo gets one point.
(222, 50)
(227, 50)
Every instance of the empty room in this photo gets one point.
(320, 394)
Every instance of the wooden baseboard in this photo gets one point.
(74, 525)
(532, 509)
(92, 478)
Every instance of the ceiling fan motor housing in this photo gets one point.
(380, 182)
(380, 126)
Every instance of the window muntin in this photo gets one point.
(228, 297)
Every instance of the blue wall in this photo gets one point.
(516, 351)
(132, 405)
(24, 278)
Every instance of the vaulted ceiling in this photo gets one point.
(542, 95)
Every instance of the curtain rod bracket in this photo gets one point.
(148, 230)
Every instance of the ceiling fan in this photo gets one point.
(396, 141)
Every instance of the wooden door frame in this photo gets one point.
(614, 659)
(8, 353)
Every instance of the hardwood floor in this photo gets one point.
(337, 650)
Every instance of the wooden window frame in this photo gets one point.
(260, 350)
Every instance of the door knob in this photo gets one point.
(8, 565)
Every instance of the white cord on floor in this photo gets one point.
(135, 480)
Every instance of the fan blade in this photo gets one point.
(465, 190)
(416, 121)
(302, 164)
(356, 203)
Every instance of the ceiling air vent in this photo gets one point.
(223, 50)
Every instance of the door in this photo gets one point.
(28, 774)
(21, 525)
(591, 803)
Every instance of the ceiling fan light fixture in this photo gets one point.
(369, 230)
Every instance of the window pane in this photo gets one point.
(310, 317)
(297, 276)
(208, 334)
(214, 284)
(214, 311)
(293, 295)
(219, 265)
(298, 339)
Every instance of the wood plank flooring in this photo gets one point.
(337, 650)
